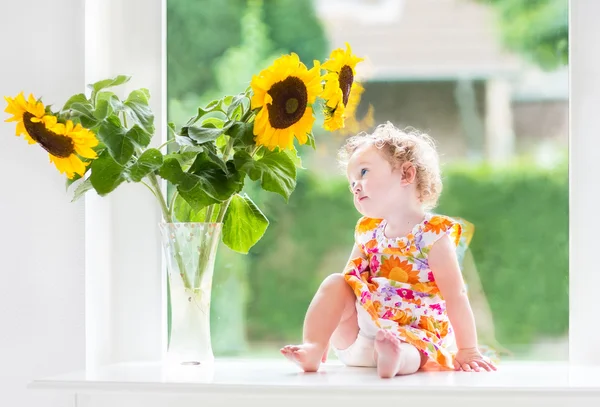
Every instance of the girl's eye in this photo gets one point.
(363, 172)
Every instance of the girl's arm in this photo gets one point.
(448, 277)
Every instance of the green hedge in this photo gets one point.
(520, 248)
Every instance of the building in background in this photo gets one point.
(439, 66)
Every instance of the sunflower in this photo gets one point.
(72, 140)
(339, 86)
(352, 125)
(285, 91)
(64, 142)
(23, 110)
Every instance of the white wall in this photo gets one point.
(78, 288)
(42, 329)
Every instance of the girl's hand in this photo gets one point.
(472, 360)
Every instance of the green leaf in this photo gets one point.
(79, 98)
(82, 189)
(214, 106)
(244, 224)
(215, 122)
(205, 182)
(102, 110)
(183, 212)
(112, 134)
(227, 100)
(138, 109)
(139, 136)
(70, 181)
(107, 83)
(244, 162)
(242, 134)
(186, 155)
(277, 173)
(201, 134)
(106, 174)
(189, 186)
(85, 113)
(220, 183)
(221, 141)
(149, 161)
(311, 140)
(235, 111)
(184, 141)
(107, 103)
(293, 154)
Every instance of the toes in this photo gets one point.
(393, 338)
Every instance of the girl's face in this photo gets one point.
(378, 188)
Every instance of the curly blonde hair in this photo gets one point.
(399, 147)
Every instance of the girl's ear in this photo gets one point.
(409, 173)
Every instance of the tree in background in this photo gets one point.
(200, 32)
(537, 29)
(293, 26)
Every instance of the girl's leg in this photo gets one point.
(331, 310)
(395, 357)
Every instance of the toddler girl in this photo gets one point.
(401, 301)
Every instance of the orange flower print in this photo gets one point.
(357, 264)
(401, 249)
(443, 328)
(367, 224)
(428, 288)
(371, 246)
(393, 250)
(427, 324)
(411, 337)
(441, 359)
(397, 315)
(402, 317)
(371, 285)
(400, 271)
(438, 224)
(456, 233)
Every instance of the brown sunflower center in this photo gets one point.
(56, 144)
(346, 79)
(289, 102)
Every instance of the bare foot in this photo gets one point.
(308, 356)
(388, 354)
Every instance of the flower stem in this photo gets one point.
(172, 203)
(167, 216)
(209, 213)
(164, 144)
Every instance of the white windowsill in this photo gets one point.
(280, 381)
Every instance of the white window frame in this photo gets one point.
(584, 193)
(123, 254)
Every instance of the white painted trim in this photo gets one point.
(584, 197)
(123, 252)
(278, 382)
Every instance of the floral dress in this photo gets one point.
(394, 284)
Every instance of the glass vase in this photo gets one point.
(190, 250)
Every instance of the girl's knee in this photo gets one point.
(337, 282)
(334, 281)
